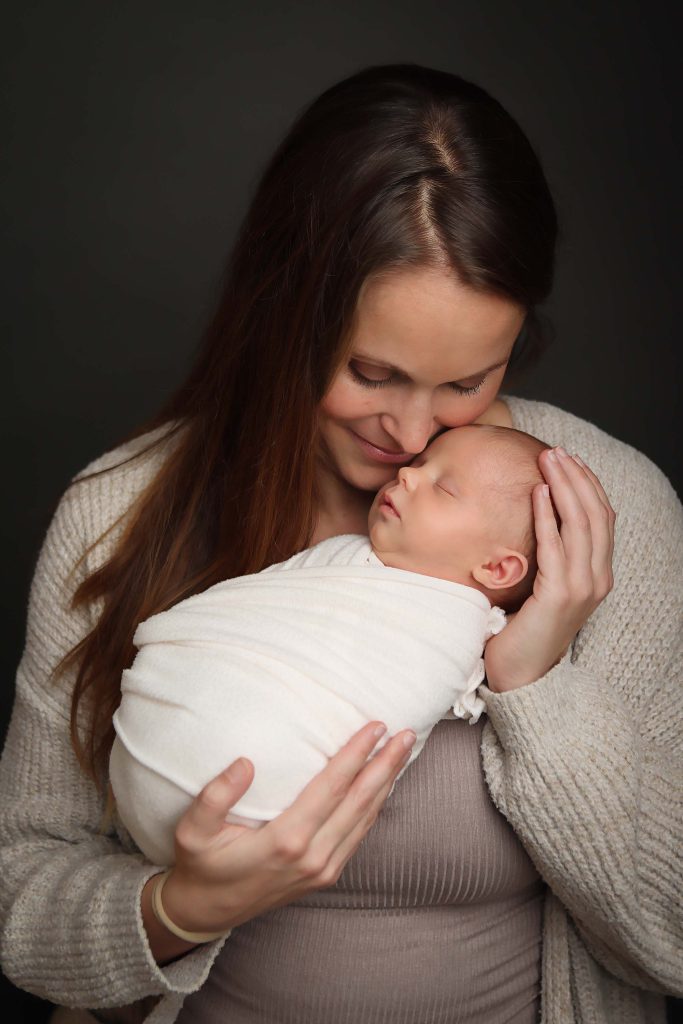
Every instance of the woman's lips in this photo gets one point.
(379, 454)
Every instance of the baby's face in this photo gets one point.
(434, 517)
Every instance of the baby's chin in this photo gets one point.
(376, 521)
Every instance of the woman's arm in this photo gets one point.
(587, 762)
(70, 917)
(75, 915)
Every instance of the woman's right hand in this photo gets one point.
(226, 874)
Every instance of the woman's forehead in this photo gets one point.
(433, 328)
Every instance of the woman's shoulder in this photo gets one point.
(101, 494)
(139, 456)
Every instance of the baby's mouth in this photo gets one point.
(387, 503)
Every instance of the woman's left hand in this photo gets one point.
(574, 574)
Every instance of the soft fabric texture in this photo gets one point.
(436, 919)
(585, 763)
(283, 667)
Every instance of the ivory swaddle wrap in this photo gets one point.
(283, 667)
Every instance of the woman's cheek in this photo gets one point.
(465, 409)
(468, 408)
(342, 402)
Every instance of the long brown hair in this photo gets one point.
(396, 166)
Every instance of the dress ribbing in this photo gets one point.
(436, 918)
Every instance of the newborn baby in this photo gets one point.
(285, 665)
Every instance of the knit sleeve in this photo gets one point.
(587, 762)
(71, 927)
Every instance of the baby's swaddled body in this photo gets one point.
(283, 667)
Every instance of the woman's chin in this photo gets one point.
(369, 478)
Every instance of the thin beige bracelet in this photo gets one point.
(164, 919)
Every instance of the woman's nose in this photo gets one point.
(413, 428)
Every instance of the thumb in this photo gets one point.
(204, 820)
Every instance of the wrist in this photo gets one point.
(164, 945)
(171, 925)
(186, 905)
(510, 679)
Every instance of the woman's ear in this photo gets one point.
(504, 570)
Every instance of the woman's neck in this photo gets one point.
(342, 509)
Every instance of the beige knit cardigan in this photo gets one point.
(586, 764)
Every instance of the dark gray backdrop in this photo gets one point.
(136, 132)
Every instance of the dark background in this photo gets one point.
(135, 133)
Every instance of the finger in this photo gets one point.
(612, 515)
(598, 512)
(328, 788)
(605, 518)
(576, 529)
(338, 838)
(368, 792)
(351, 841)
(594, 480)
(550, 555)
(205, 817)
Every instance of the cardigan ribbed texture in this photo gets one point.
(585, 763)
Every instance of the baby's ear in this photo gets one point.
(505, 570)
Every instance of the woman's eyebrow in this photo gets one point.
(363, 357)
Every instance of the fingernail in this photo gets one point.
(237, 771)
(379, 731)
(561, 452)
(552, 456)
(546, 491)
(409, 739)
(577, 459)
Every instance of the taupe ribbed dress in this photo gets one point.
(436, 918)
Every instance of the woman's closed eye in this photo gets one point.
(380, 382)
(369, 382)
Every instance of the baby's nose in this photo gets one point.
(408, 476)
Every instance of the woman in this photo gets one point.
(385, 279)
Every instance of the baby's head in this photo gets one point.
(462, 511)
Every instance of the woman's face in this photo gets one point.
(427, 353)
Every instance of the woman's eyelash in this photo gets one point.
(368, 382)
(474, 390)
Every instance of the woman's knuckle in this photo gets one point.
(313, 865)
(185, 837)
(605, 586)
(212, 796)
(584, 592)
(363, 796)
(289, 846)
(372, 819)
(562, 596)
(182, 833)
(329, 876)
(339, 783)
